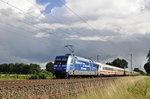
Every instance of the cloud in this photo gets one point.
(25, 7)
(126, 16)
(116, 28)
(41, 35)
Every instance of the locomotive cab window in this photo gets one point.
(57, 61)
(61, 60)
(64, 61)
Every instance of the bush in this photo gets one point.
(34, 76)
(42, 75)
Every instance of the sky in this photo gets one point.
(36, 31)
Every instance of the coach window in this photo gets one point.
(107, 68)
(104, 68)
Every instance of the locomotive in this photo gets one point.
(70, 65)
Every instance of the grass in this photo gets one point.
(13, 76)
(141, 89)
(42, 75)
(134, 87)
(137, 87)
(39, 75)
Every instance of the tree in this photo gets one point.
(49, 67)
(147, 65)
(11, 66)
(138, 70)
(148, 56)
(19, 68)
(4, 68)
(34, 68)
(122, 63)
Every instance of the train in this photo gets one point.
(66, 66)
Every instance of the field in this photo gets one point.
(38, 75)
(122, 88)
(13, 77)
(129, 87)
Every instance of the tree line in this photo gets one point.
(22, 68)
(121, 63)
(147, 64)
(19, 68)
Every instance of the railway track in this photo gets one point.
(50, 88)
(49, 81)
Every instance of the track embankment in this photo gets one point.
(49, 89)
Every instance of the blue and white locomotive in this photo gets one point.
(70, 65)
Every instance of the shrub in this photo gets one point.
(42, 75)
(34, 76)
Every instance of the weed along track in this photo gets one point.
(48, 89)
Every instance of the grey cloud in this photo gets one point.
(147, 5)
(18, 41)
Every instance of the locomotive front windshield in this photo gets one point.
(61, 60)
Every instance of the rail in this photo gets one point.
(52, 88)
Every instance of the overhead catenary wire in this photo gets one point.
(58, 20)
(70, 9)
(23, 12)
(81, 18)
(77, 15)
(16, 28)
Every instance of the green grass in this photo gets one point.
(140, 89)
(13, 76)
(137, 87)
(42, 75)
(39, 75)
